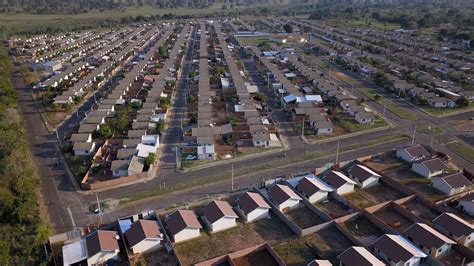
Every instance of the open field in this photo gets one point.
(446, 111)
(421, 210)
(462, 150)
(391, 106)
(393, 219)
(371, 196)
(209, 245)
(363, 229)
(334, 208)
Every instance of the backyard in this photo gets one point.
(304, 217)
(363, 229)
(372, 196)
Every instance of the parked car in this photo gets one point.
(191, 157)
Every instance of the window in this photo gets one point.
(440, 250)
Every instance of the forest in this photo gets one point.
(23, 231)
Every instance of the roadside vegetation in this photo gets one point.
(22, 229)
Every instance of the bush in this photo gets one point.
(105, 132)
(150, 159)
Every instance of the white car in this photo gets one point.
(191, 157)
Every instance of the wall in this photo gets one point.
(113, 182)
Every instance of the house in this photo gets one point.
(81, 137)
(63, 99)
(261, 139)
(396, 250)
(252, 207)
(340, 182)
(119, 167)
(358, 256)
(182, 225)
(466, 204)
(450, 183)
(441, 102)
(455, 227)
(429, 240)
(83, 148)
(314, 189)
(102, 246)
(428, 167)
(144, 236)
(88, 128)
(413, 153)
(363, 176)
(323, 127)
(126, 153)
(365, 118)
(284, 197)
(206, 151)
(319, 263)
(218, 216)
(136, 165)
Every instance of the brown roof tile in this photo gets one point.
(101, 240)
(427, 236)
(454, 180)
(180, 220)
(250, 201)
(218, 209)
(141, 230)
(359, 256)
(453, 224)
(281, 193)
(361, 172)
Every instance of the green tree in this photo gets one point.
(288, 28)
(463, 102)
(160, 127)
(105, 131)
(150, 159)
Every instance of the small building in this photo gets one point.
(261, 139)
(429, 167)
(314, 189)
(413, 153)
(83, 148)
(365, 118)
(144, 236)
(183, 225)
(363, 176)
(340, 182)
(284, 197)
(429, 240)
(252, 207)
(323, 127)
(319, 263)
(396, 250)
(455, 227)
(81, 137)
(466, 203)
(51, 66)
(119, 167)
(102, 246)
(88, 128)
(219, 216)
(358, 256)
(450, 183)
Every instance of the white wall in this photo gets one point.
(147, 245)
(257, 214)
(467, 207)
(404, 155)
(442, 186)
(371, 182)
(346, 188)
(444, 250)
(101, 257)
(223, 224)
(318, 196)
(420, 169)
(186, 234)
(291, 203)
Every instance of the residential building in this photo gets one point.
(102, 246)
(429, 167)
(358, 256)
(450, 183)
(183, 225)
(429, 240)
(340, 182)
(365, 118)
(413, 153)
(252, 207)
(466, 203)
(219, 216)
(396, 250)
(315, 189)
(284, 197)
(319, 263)
(363, 176)
(455, 227)
(83, 148)
(144, 236)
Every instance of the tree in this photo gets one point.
(463, 102)
(288, 28)
(105, 131)
(259, 96)
(150, 159)
(160, 127)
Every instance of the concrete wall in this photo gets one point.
(147, 245)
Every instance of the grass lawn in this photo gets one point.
(296, 252)
(392, 107)
(462, 150)
(351, 126)
(208, 246)
(446, 111)
(428, 129)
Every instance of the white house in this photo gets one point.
(365, 118)
(455, 227)
(413, 153)
(396, 250)
(119, 167)
(183, 225)
(363, 176)
(429, 240)
(81, 137)
(466, 204)
(358, 256)
(219, 216)
(252, 207)
(261, 139)
(450, 183)
(314, 189)
(144, 236)
(428, 167)
(83, 148)
(323, 127)
(284, 197)
(340, 182)
(102, 246)
(206, 151)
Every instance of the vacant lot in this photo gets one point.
(393, 107)
(420, 184)
(304, 217)
(421, 210)
(384, 163)
(334, 208)
(363, 229)
(462, 150)
(296, 252)
(372, 196)
(261, 257)
(208, 246)
(393, 219)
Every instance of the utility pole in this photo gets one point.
(432, 136)
(337, 151)
(302, 129)
(177, 160)
(232, 178)
(98, 207)
(384, 106)
(413, 137)
(57, 135)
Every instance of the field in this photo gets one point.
(421, 210)
(334, 208)
(372, 196)
(391, 106)
(304, 217)
(447, 111)
(208, 245)
(462, 150)
(363, 229)
(393, 219)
